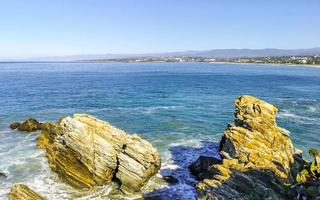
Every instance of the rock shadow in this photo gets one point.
(181, 181)
(257, 183)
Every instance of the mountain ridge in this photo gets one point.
(212, 53)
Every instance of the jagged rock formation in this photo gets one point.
(86, 151)
(257, 156)
(23, 192)
(29, 125)
(307, 185)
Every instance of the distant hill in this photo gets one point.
(214, 53)
(234, 53)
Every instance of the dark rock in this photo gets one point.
(307, 182)
(202, 164)
(3, 175)
(29, 125)
(170, 179)
(14, 125)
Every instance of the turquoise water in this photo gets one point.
(175, 106)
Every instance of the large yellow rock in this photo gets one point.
(86, 152)
(23, 192)
(257, 155)
(256, 138)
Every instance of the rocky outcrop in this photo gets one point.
(23, 192)
(86, 152)
(257, 156)
(307, 184)
(29, 125)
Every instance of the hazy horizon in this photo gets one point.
(213, 53)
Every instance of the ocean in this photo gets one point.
(181, 108)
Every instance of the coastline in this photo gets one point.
(234, 63)
(222, 62)
(291, 65)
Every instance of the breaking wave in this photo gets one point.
(293, 117)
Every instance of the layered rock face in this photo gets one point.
(257, 156)
(86, 151)
(23, 192)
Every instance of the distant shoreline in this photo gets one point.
(220, 62)
(233, 63)
(274, 64)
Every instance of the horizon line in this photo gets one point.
(38, 58)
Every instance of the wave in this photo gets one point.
(312, 109)
(5, 131)
(139, 109)
(189, 142)
(46, 182)
(150, 110)
(287, 115)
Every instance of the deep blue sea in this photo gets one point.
(181, 108)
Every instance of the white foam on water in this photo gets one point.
(191, 142)
(175, 162)
(24, 163)
(141, 109)
(167, 162)
(312, 109)
(155, 108)
(170, 166)
(48, 184)
(5, 131)
(286, 114)
(285, 131)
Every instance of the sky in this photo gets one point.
(36, 28)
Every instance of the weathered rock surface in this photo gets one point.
(23, 192)
(257, 156)
(86, 151)
(29, 125)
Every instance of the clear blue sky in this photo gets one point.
(31, 28)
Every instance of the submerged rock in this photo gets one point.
(2, 174)
(29, 125)
(257, 156)
(14, 125)
(86, 151)
(23, 192)
(200, 166)
(170, 179)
